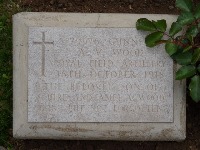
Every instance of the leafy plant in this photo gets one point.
(182, 44)
(5, 73)
(5, 78)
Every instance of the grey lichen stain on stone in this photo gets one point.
(42, 18)
(183, 117)
(97, 24)
(61, 129)
(168, 133)
(128, 134)
(147, 130)
(17, 133)
(123, 133)
(174, 70)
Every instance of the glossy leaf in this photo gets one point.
(196, 56)
(194, 88)
(183, 58)
(185, 72)
(193, 31)
(184, 5)
(185, 18)
(197, 12)
(187, 48)
(152, 39)
(161, 25)
(145, 24)
(175, 28)
(171, 48)
(190, 38)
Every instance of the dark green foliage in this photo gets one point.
(171, 48)
(194, 88)
(183, 58)
(197, 12)
(187, 48)
(175, 28)
(183, 49)
(185, 72)
(185, 18)
(145, 24)
(196, 56)
(5, 125)
(160, 25)
(193, 31)
(184, 5)
(152, 39)
(5, 75)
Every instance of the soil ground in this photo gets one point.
(113, 6)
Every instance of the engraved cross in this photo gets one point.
(43, 43)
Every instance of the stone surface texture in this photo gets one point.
(57, 58)
(97, 75)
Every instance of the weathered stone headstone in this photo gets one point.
(90, 76)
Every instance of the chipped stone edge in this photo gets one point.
(175, 131)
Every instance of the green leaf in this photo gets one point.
(171, 48)
(152, 39)
(185, 72)
(190, 38)
(5, 76)
(187, 48)
(193, 31)
(145, 24)
(196, 56)
(197, 12)
(185, 5)
(185, 18)
(160, 25)
(194, 88)
(175, 28)
(183, 58)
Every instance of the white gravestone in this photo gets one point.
(97, 75)
(92, 77)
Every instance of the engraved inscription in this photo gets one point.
(43, 43)
(97, 75)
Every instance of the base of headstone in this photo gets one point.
(28, 127)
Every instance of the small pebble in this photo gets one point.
(51, 2)
(171, 7)
(60, 5)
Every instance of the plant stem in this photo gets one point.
(168, 35)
